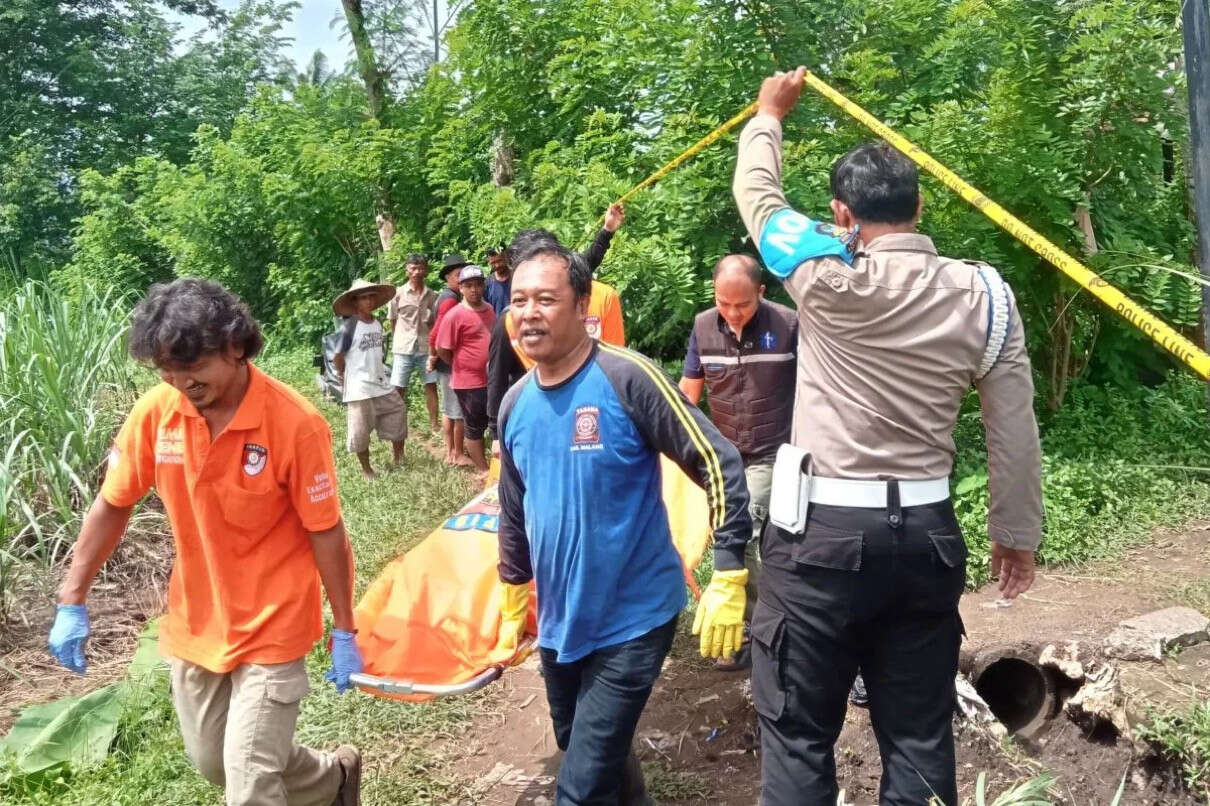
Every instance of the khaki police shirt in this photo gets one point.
(888, 347)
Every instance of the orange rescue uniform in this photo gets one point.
(244, 587)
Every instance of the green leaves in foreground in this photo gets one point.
(76, 732)
(1034, 792)
(73, 730)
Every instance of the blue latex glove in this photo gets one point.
(346, 659)
(68, 635)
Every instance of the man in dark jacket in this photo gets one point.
(742, 352)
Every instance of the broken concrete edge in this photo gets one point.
(1063, 659)
(1151, 635)
(976, 711)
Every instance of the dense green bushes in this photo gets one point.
(1117, 463)
(1066, 112)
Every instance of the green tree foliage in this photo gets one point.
(281, 210)
(1067, 112)
(96, 84)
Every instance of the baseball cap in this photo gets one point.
(470, 273)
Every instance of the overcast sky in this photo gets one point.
(309, 29)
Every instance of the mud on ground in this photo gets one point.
(130, 592)
(697, 737)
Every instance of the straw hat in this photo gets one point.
(346, 303)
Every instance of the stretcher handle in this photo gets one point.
(393, 685)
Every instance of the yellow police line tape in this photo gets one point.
(681, 158)
(1156, 329)
(1150, 325)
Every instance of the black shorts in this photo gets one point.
(474, 410)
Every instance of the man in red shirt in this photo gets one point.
(463, 340)
(451, 419)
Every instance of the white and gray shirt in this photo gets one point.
(365, 373)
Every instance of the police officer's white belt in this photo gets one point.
(873, 494)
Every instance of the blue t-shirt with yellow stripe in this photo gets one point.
(580, 496)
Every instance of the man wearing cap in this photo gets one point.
(451, 420)
(742, 352)
(243, 466)
(500, 282)
(891, 337)
(372, 403)
(462, 342)
(410, 314)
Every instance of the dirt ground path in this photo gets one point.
(697, 739)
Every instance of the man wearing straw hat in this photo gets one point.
(372, 402)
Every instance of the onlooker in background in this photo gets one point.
(411, 314)
(243, 466)
(500, 283)
(451, 422)
(742, 352)
(372, 403)
(462, 341)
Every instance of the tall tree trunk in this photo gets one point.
(376, 92)
(502, 160)
(371, 76)
(1060, 352)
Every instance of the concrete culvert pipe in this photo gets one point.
(1017, 690)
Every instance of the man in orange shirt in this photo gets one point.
(243, 465)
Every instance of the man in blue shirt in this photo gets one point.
(499, 283)
(582, 516)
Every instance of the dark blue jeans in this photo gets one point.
(595, 704)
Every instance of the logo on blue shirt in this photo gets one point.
(768, 340)
(587, 435)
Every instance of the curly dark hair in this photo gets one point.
(181, 321)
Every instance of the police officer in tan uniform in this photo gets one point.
(891, 337)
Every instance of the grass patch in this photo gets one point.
(668, 785)
(65, 381)
(1194, 593)
(1183, 737)
(384, 519)
(1117, 464)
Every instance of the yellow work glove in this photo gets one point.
(720, 614)
(514, 610)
